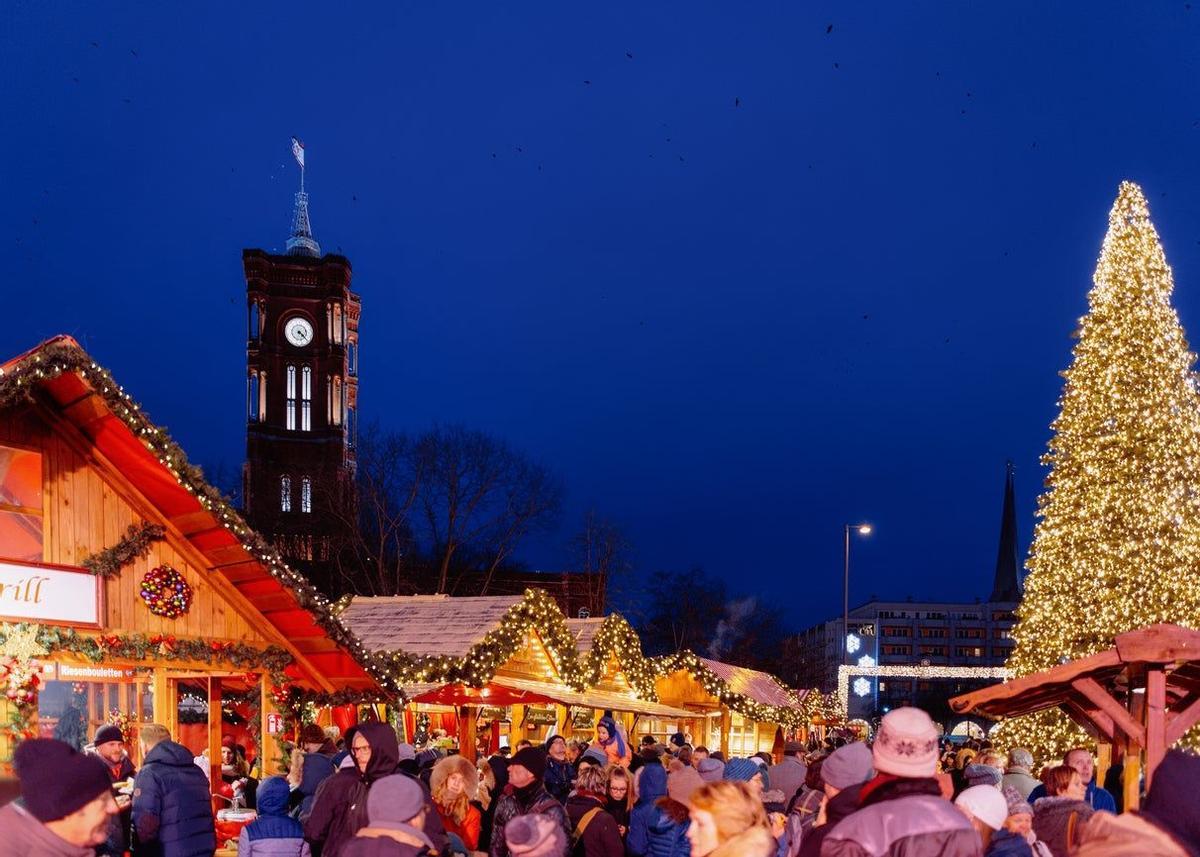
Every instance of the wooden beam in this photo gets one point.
(1180, 722)
(214, 740)
(1096, 723)
(1159, 644)
(1156, 715)
(195, 522)
(1098, 696)
(990, 700)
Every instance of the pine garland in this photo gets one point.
(49, 361)
(134, 545)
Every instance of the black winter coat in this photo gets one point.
(118, 828)
(513, 802)
(172, 810)
(601, 838)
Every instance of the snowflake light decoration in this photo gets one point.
(853, 643)
(866, 661)
(862, 686)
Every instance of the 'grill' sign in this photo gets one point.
(54, 594)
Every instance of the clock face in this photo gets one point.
(298, 331)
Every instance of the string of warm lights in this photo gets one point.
(919, 672)
(49, 361)
(1117, 545)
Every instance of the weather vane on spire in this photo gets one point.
(302, 242)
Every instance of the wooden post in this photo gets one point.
(214, 739)
(166, 711)
(1130, 773)
(725, 724)
(1104, 760)
(516, 732)
(268, 763)
(1155, 721)
(467, 732)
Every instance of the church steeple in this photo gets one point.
(1007, 584)
(302, 242)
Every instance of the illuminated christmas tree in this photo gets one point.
(1117, 546)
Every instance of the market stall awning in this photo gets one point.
(600, 699)
(491, 694)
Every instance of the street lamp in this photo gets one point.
(862, 530)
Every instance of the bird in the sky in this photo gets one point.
(95, 44)
(829, 29)
(587, 83)
(737, 102)
(132, 51)
(127, 100)
(628, 55)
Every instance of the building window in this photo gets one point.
(306, 495)
(291, 398)
(1002, 616)
(1001, 634)
(333, 395)
(935, 615)
(351, 427)
(254, 323)
(337, 329)
(927, 633)
(897, 650)
(971, 633)
(306, 399)
(936, 651)
(970, 652)
(897, 631)
(20, 504)
(285, 493)
(252, 397)
(352, 358)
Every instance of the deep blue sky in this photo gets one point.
(731, 328)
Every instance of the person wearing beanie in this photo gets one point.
(110, 747)
(594, 756)
(711, 770)
(341, 808)
(1019, 773)
(397, 813)
(842, 774)
(1167, 825)
(612, 742)
(454, 784)
(659, 822)
(788, 775)
(747, 771)
(66, 802)
(682, 780)
(559, 772)
(901, 809)
(1020, 821)
(977, 774)
(172, 811)
(985, 807)
(525, 794)
(535, 836)
(273, 833)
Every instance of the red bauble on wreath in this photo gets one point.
(166, 593)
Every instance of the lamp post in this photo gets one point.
(862, 530)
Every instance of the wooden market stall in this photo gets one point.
(130, 589)
(745, 711)
(503, 668)
(1135, 699)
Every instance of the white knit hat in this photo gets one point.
(907, 744)
(986, 803)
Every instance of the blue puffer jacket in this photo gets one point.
(273, 833)
(315, 769)
(1004, 844)
(172, 813)
(657, 825)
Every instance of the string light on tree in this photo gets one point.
(1117, 546)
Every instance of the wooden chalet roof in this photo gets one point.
(759, 686)
(1088, 689)
(426, 624)
(584, 631)
(85, 405)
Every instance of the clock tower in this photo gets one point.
(301, 399)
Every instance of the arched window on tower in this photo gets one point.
(336, 331)
(352, 357)
(252, 396)
(254, 324)
(329, 322)
(291, 398)
(306, 495)
(306, 399)
(262, 396)
(335, 401)
(285, 493)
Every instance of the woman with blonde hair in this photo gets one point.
(728, 820)
(453, 785)
(620, 796)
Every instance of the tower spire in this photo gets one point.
(1007, 583)
(302, 242)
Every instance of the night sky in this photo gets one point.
(739, 272)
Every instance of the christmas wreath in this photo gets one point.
(166, 593)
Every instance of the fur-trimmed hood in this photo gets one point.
(451, 765)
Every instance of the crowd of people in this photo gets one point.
(367, 794)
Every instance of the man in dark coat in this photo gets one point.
(843, 774)
(340, 808)
(110, 747)
(172, 810)
(524, 795)
(398, 810)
